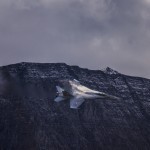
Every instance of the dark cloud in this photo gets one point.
(92, 34)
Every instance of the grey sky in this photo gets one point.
(89, 33)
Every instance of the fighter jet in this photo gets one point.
(77, 93)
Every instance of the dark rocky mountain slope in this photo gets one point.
(31, 120)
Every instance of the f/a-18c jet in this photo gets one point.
(77, 93)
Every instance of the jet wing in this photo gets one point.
(76, 82)
(76, 102)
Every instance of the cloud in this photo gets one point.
(89, 33)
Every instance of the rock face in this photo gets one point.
(31, 120)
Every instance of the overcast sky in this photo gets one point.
(89, 33)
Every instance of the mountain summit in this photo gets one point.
(110, 71)
(31, 120)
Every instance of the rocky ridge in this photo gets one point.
(30, 119)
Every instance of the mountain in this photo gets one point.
(31, 120)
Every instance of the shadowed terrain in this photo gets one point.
(31, 120)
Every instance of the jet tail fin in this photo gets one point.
(58, 99)
(60, 94)
(59, 90)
